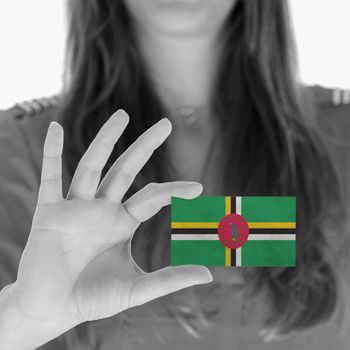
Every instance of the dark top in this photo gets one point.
(22, 133)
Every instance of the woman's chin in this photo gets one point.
(177, 19)
(184, 17)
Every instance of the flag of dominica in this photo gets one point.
(233, 231)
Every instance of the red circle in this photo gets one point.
(233, 231)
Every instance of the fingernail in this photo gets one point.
(55, 128)
(207, 276)
(165, 122)
(196, 186)
(54, 124)
(210, 277)
(269, 337)
(120, 114)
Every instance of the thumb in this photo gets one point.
(167, 280)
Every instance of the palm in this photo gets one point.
(106, 249)
(104, 286)
(90, 256)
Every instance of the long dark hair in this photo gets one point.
(261, 108)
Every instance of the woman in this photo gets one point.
(223, 72)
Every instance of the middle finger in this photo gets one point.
(88, 172)
(123, 172)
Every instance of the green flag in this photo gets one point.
(233, 231)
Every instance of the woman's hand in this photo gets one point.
(77, 264)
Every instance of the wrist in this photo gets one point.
(12, 330)
(18, 330)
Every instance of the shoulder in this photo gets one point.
(333, 123)
(330, 97)
(23, 129)
(332, 107)
(22, 133)
(28, 119)
(29, 110)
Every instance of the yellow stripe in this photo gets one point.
(194, 225)
(250, 224)
(227, 256)
(227, 250)
(227, 205)
(271, 224)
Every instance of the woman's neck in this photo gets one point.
(182, 69)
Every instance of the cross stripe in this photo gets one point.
(271, 231)
(215, 237)
(229, 208)
(233, 251)
(254, 232)
(238, 251)
(195, 231)
(282, 237)
(252, 225)
(195, 237)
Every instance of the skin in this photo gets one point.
(181, 18)
(77, 264)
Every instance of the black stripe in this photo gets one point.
(271, 231)
(233, 210)
(233, 257)
(233, 204)
(192, 231)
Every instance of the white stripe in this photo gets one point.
(277, 237)
(239, 257)
(239, 205)
(195, 237)
(215, 237)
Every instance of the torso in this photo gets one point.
(149, 326)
